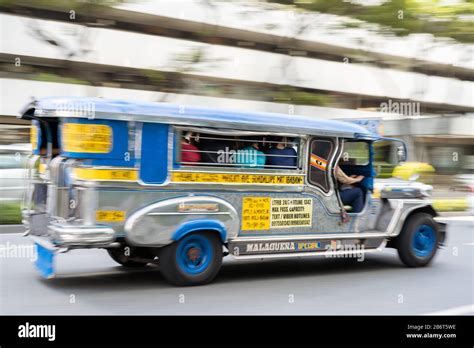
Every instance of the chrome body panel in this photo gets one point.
(155, 224)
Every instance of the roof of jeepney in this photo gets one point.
(114, 109)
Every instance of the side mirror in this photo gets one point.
(401, 154)
(390, 151)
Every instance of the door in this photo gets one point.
(321, 155)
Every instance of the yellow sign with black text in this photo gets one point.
(109, 216)
(192, 177)
(291, 212)
(263, 213)
(106, 174)
(255, 213)
(90, 138)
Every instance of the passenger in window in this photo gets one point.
(350, 195)
(189, 151)
(212, 147)
(281, 155)
(251, 156)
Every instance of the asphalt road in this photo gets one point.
(89, 282)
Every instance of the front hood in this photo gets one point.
(399, 188)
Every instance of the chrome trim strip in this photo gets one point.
(312, 253)
(232, 132)
(311, 237)
(190, 213)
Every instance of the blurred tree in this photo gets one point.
(452, 19)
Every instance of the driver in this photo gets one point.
(350, 195)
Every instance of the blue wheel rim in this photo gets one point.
(424, 240)
(194, 254)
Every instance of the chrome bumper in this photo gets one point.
(65, 235)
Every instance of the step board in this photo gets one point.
(249, 247)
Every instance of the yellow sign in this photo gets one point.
(106, 174)
(192, 177)
(291, 212)
(263, 213)
(34, 137)
(109, 215)
(256, 213)
(42, 168)
(90, 138)
(308, 246)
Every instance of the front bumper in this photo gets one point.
(64, 235)
(68, 235)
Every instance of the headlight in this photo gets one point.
(426, 190)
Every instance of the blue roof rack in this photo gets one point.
(191, 116)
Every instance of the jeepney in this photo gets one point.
(171, 185)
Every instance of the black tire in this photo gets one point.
(418, 241)
(177, 266)
(123, 257)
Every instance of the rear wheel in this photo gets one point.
(125, 256)
(418, 241)
(193, 260)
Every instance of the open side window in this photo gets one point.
(321, 151)
(356, 159)
(234, 150)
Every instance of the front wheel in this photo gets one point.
(193, 260)
(418, 240)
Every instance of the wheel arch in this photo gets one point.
(203, 225)
(428, 209)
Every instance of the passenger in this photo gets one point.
(251, 156)
(189, 151)
(281, 154)
(212, 147)
(350, 195)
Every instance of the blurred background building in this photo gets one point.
(403, 67)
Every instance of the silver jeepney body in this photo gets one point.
(86, 208)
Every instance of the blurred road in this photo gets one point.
(89, 282)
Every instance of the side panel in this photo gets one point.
(102, 142)
(151, 217)
(170, 219)
(154, 153)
